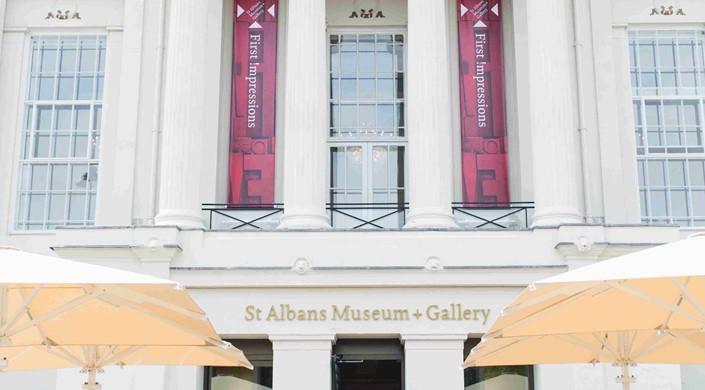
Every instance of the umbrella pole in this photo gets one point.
(92, 384)
(625, 379)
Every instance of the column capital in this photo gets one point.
(434, 341)
(302, 341)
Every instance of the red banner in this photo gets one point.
(253, 101)
(483, 126)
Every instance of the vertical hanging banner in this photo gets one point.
(483, 126)
(252, 110)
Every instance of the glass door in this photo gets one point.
(367, 185)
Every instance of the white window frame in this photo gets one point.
(688, 152)
(24, 101)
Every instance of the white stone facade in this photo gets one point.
(342, 284)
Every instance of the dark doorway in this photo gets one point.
(368, 365)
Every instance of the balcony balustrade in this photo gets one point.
(369, 216)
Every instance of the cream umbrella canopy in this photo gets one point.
(57, 313)
(645, 307)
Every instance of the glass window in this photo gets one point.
(61, 132)
(668, 86)
(367, 141)
(259, 353)
(497, 377)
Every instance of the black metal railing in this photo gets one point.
(369, 216)
(243, 216)
(511, 215)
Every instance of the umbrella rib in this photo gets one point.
(572, 339)
(568, 290)
(632, 343)
(19, 354)
(116, 358)
(106, 355)
(689, 341)
(488, 355)
(25, 305)
(646, 348)
(688, 296)
(650, 298)
(53, 313)
(139, 298)
(176, 325)
(605, 345)
(66, 355)
(29, 314)
(243, 360)
(532, 316)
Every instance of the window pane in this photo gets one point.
(46, 88)
(85, 88)
(62, 143)
(38, 178)
(667, 57)
(57, 205)
(36, 207)
(87, 64)
(647, 55)
(63, 118)
(679, 203)
(58, 177)
(657, 176)
(696, 170)
(676, 173)
(83, 115)
(68, 60)
(698, 203)
(79, 177)
(77, 207)
(690, 113)
(48, 60)
(44, 117)
(65, 88)
(658, 203)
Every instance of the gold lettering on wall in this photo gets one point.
(288, 313)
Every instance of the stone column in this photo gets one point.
(429, 117)
(305, 115)
(553, 114)
(302, 361)
(183, 122)
(433, 361)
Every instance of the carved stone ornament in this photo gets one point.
(433, 264)
(583, 244)
(63, 15)
(301, 266)
(667, 11)
(366, 11)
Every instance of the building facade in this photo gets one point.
(432, 159)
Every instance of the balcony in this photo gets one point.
(369, 216)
